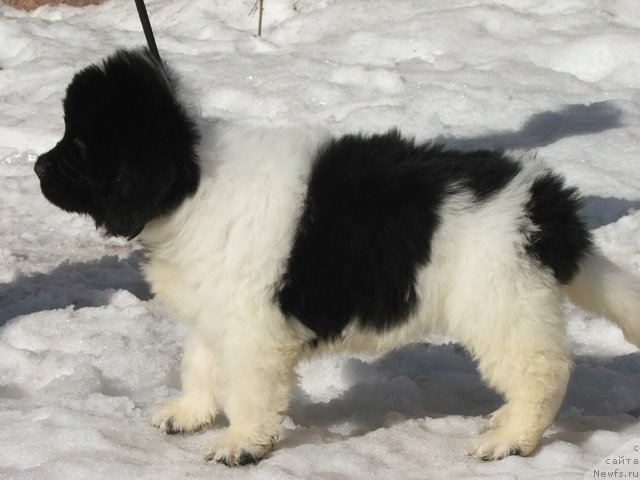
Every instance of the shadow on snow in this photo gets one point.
(545, 128)
(434, 381)
(81, 284)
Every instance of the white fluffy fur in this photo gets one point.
(217, 259)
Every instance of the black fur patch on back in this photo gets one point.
(562, 239)
(371, 211)
(484, 172)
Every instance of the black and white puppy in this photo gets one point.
(275, 244)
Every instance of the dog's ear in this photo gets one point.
(125, 209)
(147, 188)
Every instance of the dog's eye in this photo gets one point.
(79, 144)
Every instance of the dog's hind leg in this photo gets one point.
(197, 406)
(519, 340)
(533, 398)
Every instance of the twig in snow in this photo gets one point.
(259, 7)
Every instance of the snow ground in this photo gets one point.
(86, 353)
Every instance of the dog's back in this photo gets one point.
(381, 210)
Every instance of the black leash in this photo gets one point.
(148, 32)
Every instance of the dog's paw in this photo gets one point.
(497, 445)
(183, 415)
(234, 451)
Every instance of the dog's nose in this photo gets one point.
(41, 165)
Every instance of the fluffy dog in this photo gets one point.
(275, 244)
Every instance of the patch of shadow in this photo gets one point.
(605, 387)
(11, 391)
(434, 381)
(416, 381)
(83, 284)
(599, 211)
(545, 128)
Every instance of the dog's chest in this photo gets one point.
(223, 251)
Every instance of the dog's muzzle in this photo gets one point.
(42, 165)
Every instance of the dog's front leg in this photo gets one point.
(257, 374)
(197, 406)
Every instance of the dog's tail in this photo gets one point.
(605, 289)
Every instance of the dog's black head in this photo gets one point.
(128, 153)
